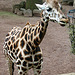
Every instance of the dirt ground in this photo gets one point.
(56, 45)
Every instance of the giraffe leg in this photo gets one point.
(11, 66)
(22, 70)
(37, 70)
(23, 73)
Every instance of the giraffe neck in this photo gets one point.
(34, 34)
(43, 27)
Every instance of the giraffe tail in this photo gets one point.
(5, 49)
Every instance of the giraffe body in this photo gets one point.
(21, 45)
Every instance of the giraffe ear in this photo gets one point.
(41, 7)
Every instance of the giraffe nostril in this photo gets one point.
(64, 17)
(49, 14)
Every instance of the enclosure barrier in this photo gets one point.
(67, 74)
(71, 17)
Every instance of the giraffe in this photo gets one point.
(22, 45)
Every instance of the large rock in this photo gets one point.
(27, 12)
(70, 2)
(18, 12)
(7, 5)
(36, 12)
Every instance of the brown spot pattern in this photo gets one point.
(22, 43)
(16, 44)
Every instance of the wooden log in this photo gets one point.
(67, 74)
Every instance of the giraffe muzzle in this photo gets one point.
(63, 21)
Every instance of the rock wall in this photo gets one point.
(74, 4)
(7, 5)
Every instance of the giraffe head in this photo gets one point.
(53, 10)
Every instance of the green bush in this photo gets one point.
(72, 37)
(30, 4)
(18, 6)
(22, 4)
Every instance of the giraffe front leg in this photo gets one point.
(37, 70)
(22, 70)
(22, 73)
(11, 66)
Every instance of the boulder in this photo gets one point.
(18, 12)
(36, 12)
(27, 12)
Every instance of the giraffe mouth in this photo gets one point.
(63, 21)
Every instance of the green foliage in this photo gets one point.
(30, 4)
(18, 6)
(5, 13)
(72, 37)
(22, 4)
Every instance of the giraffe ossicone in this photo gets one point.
(21, 45)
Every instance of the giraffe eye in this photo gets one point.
(61, 8)
(49, 9)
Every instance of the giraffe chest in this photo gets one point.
(33, 57)
(30, 56)
(30, 59)
(20, 49)
(15, 51)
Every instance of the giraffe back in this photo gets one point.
(9, 39)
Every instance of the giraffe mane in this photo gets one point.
(28, 23)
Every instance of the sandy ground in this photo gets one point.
(56, 45)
